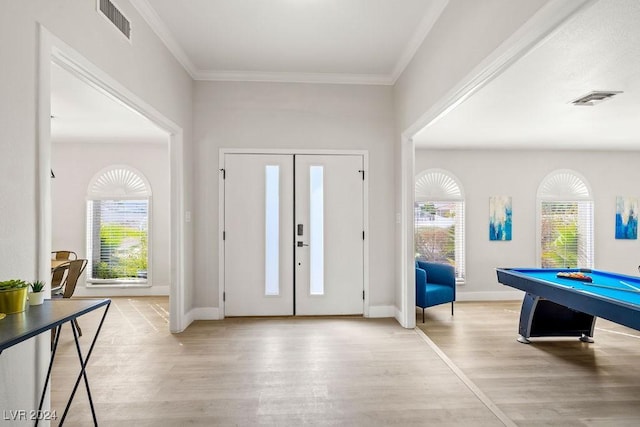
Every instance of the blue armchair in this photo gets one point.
(435, 284)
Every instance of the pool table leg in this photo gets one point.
(586, 338)
(540, 317)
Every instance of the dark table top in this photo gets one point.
(36, 319)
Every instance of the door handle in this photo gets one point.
(301, 244)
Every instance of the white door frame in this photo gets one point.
(534, 32)
(52, 49)
(223, 151)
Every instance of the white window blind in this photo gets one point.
(118, 212)
(566, 221)
(439, 220)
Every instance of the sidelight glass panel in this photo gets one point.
(316, 230)
(272, 230)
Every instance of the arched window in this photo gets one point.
(118, 212)
(565, 212)
(439, 220)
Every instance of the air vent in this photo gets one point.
(595, 97)
(111, 12)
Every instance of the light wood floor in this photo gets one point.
(553, 381)
(347, 371)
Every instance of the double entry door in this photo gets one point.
(293, 234)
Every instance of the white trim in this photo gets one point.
(434, 11)
(52, 49)
(162, 31)
(93, 195)
(286, 77)
(541, 26)
(536, 30)
(122, 291)
(158, 26)
(202, 313)
(221, 156)
(490, 296)
(366, 312)
(406, 312)
(446, 173)
(564, 197)
(378, 311)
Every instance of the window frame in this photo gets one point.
(119, 183)
(445, 188)
(566, 186)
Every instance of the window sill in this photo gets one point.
(117, 284)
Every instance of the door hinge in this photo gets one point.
(224, 296)
(362, 234)
(224, 235)
(362, 172)
(224, 173)
(363, 295)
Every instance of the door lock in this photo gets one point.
(301, 244)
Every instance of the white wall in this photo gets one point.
(294, 116)
(144, 66)
(466, 33)
(485, 173)
(75, 164)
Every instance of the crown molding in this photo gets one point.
(162, 31)
(424, 28)
(284, 77)
(158, 26)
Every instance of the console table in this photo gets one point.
(51, 315)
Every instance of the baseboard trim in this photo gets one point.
(399, 316)
(490, 296)
(382, 311)
(202, 313)
(115, 291)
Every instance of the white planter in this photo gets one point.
(36, 298)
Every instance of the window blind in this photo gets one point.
(439, 233)
(118, 240)
(566, 234)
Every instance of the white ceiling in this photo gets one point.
(83, 114)
(528, 106)
(341, 41)
(371, 41)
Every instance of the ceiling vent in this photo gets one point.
(595, 97)
(113, 14)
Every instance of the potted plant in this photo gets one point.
(36, 297)
(13, 296)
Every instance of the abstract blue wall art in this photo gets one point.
(500, 220)
(626, 217)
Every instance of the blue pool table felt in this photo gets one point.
(602, 283)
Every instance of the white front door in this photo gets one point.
(258, 235)
(265, 250)
(329, 234)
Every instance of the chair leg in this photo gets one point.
(452, 308)
(422, 314)
(78, 327)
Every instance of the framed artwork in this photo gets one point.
(626, 217)
(500, 218)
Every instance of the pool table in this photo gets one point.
(557, 306)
